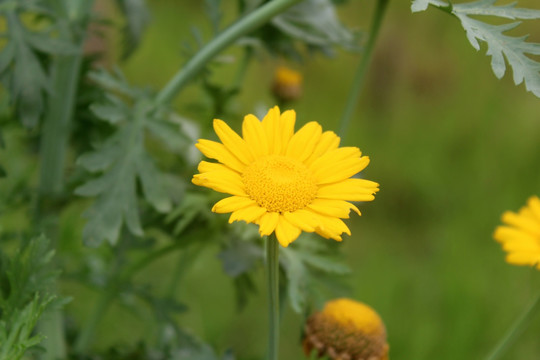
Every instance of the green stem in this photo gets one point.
(360, 75)
(56, 129)
(65, 71)
(243, 26)
(517, 329)
(272, 270)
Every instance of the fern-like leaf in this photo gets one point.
(123, 162)
(502, 48)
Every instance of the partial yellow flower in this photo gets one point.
(287, 85)
(520, 237)
(285, 182)
(346, 330)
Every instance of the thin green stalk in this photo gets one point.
(243, 26)
(272, 271)
(360, 75)
(65, 71)
(517, 329)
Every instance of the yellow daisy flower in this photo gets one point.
(520, 237)
(285, 182)
(346, 330)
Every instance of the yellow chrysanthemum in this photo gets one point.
(346, 330)
(520, 237)
(285, 182)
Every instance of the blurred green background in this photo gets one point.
(452, 148)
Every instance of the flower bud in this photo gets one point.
(287, 84)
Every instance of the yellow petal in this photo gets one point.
(507, 233)
(231, 204)
(286, 233)
(340, 170)
(534, 205)
(233, 142)
(248, 214)
(349, 190)
(271, 123)
(332, 227)
(523, 258)
(255, 136)
(205, 166)
(222, 181)
(287, 121)
(522, 222)
(303, 142)
(218, 151)
(303, 219)
(330, 207)
(336, 155)
(328, 142)
(268, 223)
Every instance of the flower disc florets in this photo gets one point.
(279, 184)
(346, 330)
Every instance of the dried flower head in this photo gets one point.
(346, 330)
(285, 182)
(520, 237)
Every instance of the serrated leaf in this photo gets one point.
(122, 162)
(421, 5)
(27, 81)
(502, 48)
(152, 186)
(314, 22)
(25, 278)
(111, 113)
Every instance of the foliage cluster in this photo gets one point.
(125, 154)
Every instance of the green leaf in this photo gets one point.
(421, 5)
(122, 163)
(306, 263)
(21, 68)
(315, 22)
(25, 278)
(502, 48)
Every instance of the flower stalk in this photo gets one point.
(517, 329)
(272, 271)
(243, 26)
(360, 75)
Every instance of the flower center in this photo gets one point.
(279, 184)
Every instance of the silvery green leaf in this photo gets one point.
(503, 49)
(314, 22)
(122, 162)
(421, 5)
(154, 190)
(109, 112)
